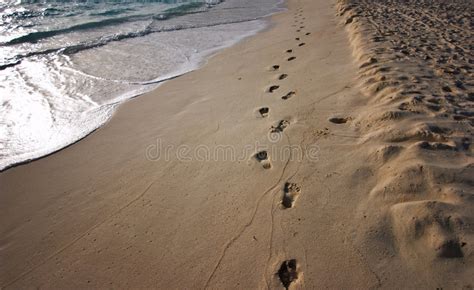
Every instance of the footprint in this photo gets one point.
(289, 95)
(289, 51)
(275, 67)
(282, 76)
(301, 44)
(301, 27)
(307, 33)
(297, 38)
(273, 88)
(280, 127)
(288, 272)
(338, 120)
(264, 111)
(290, 194)
(262, 157)
(291, 58)
(298, 30)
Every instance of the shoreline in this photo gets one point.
(107, 212)
(198, 61)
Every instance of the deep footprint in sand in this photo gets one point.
(307, 33)
(264, 111)
(275, 67)
(289, 51)
(301, 44)
(262, 157)
(297, 39)
(288, 272)
(291, 58)
(338, 120)
(288, 95)
(282, 76)
(290, 194)
(273, 88)
(282, 125)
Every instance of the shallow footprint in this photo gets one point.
(288, 95)
(282, 76)
(280, 127)
(275, 67)
(262, 157)
(273, 88)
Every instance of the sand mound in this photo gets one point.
(415, 71)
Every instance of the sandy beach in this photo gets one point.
(330, 151)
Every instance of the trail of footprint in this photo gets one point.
(229, 243)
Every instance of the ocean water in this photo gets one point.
(66, 65)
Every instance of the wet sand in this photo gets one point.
(348, 178)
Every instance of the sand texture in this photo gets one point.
(355, 119)
(415, 71)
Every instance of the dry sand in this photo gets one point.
(381, 197)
